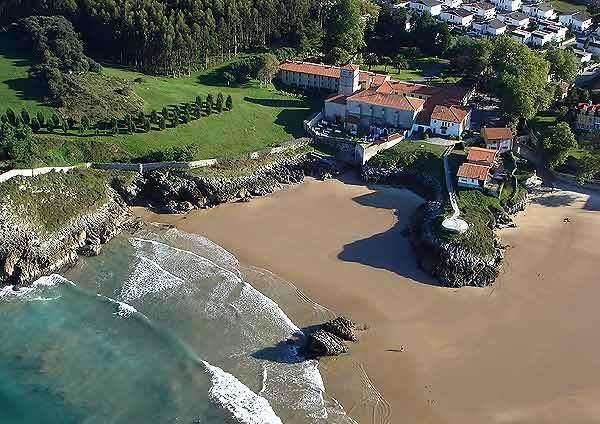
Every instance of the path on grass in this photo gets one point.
(453, 223)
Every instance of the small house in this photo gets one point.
(577, 21)
(516, 19)
(460, 17)
(482, 9)
(471, 175)
(499, 139)
(509, 5)
(433, 7)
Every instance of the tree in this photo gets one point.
(219, 104)
(228, 77)
(344, 30)
(557, 143)
(162, 123)
(588, 167)
(154, 116)
(71, 123)
(114, 126)
(56, 121)
(20, 144)
(471, 56)
(175, 119)
(41, 119)
(84, 125)
(147, 125)
(65, 126)
(564, 65)
(210, 100)
(165, 113)
(34, 124)
(399, 62)
(25, 117)
(385, 61)
(12, 117)
(371, 60)
(268, 68)
(198, 102)
(229, 102)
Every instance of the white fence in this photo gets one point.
(144, 167)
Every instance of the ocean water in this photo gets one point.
(163, 327)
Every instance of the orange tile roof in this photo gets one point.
(481, 155)
(396, 101)
(311, 69)
(496, 133)
(471, 170)
(449, 113)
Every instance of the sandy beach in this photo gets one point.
(524, 350)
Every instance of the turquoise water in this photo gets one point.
(163, 327)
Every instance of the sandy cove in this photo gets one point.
(524, 350)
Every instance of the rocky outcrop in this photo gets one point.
(26, 255)
(451, 263)
(328, 338)
(323, 343)
(179, 192)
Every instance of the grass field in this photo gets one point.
(429, 68)
(17, 91)
(567, 6)
(261, 116)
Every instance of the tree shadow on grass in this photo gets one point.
(390, 250)
(279, 103)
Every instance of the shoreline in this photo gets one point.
(457, 355)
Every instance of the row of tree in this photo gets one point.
(173, 116)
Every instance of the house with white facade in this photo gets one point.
(587, 116)
(520, 35)
(515, 19)
(509, 5)
(500, 139)
(433, 7)
(475, 172)
(559, 32)
(577, 21)
(482, 9)
(460, 17)
(493, 27)
(593, 47)
(540, 38)
(539, 10)
(583, 56)
(453, 4)
(450, 120)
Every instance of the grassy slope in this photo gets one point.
(567, 6)
(261, 117)
(17, 91)
(49, 201)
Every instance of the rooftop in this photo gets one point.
(379, 98)
(496, 24)
(483, 5)
(481, 155)
(311, 68)
(471, 170)
(463, 13)
(452, 113)
(429, 3)
(496, 133)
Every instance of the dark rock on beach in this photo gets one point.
(341, 327)
(323, 343)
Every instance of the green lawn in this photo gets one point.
(17, 91)
(542, 121)
(567, 6)
(260, 117)
(429, 68)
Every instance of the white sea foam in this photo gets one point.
(124, 310)
(241, 403)
(48, 281)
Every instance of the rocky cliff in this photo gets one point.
(180, 191)
(451, 263)
(26, 254)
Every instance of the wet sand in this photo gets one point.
(524, 350)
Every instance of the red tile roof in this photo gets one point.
(471, 170)
(590, 109)
(350, 67)
(337, 98)
(482, 156)
(311, 69)
(449, 113)
(496, 133)
(396, 101)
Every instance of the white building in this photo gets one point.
(593, 47)
(516, 19)
(500, 139)
(558, 32)
(489, 27)
(509, 5)
(459, 17)
(521, 36)
(539, 10)
(450, 120)
(583, 56)
(433, 7)
(482, 9)
(453, 4)
(577, 21)
(541, 38)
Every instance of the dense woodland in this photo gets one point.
(176, 36)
